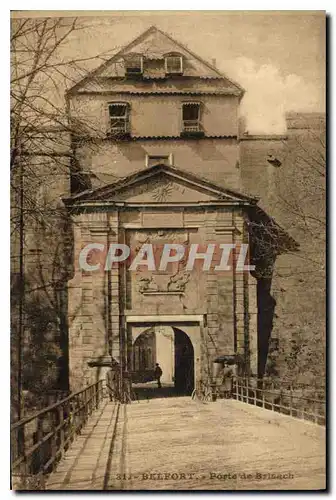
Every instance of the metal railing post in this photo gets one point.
(96, 395)
(53, 445)
(61, 432)
(90, 401)
(263, 393)
(39, 436)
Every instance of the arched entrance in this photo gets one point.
(172, 348)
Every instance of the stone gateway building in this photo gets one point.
(159, 156)
(209, 312)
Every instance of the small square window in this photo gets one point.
(274, 344)
(152, 160)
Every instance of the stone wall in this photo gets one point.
(215, 159)
(294, 193)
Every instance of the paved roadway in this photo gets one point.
(179, 444)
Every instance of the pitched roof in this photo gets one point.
(222, 193)
(215, 73)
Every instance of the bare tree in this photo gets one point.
(302, 195)
(41, 161)
(291, 260)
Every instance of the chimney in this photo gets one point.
(213, 61)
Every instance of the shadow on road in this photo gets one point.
(151, 391)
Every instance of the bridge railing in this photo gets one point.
(38, 441)
(300, 401)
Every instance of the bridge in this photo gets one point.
(257, 439)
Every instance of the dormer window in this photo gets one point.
(191, 119)
(133, 65)
(119, 118)
(174, 64)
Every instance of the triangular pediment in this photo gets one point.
(154, 45)
(162, 184)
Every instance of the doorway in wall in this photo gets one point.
(184, 363)
(173, 350)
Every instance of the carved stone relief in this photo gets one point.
(174, 280)
(163, 191)
(172, 283)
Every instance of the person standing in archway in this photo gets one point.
(158, 375)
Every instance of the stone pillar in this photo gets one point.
(93, 302)
(219, 287)
(253, 323)
(241, 340)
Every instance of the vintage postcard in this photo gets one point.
(168, 229)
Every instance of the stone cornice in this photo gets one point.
(91, 205)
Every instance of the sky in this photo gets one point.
(278, 57)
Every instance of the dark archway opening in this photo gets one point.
(145, 356)
(184, 363)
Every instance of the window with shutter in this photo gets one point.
(191, 116)
(133, 65)
(119, 118)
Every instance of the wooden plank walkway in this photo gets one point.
(179, 444)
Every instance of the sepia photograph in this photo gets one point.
(168, 250)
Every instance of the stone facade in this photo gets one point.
(165, 205)
(218, 307)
